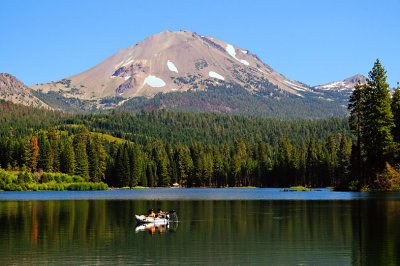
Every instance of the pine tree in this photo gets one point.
(96, 159)
(344, 159)
(81, 157)
(312, 164)
(44, 160)
(122, 167)
(162, 164)
(27, 152)
(184, 164)
(238, 163)
(332, 160)
(67, 158)
(150, 173)
(356, 106)
(137, 167)
(396, 113)
(55, 149)
(377, 121)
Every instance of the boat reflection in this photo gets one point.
(154, 228)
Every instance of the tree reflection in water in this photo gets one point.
(210, 232)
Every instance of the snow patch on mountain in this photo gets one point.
(154, 81)
(332, 85)
(232, 52)
(127, 77)
(213, 74)
(325, 99)
(295, 87)
(172, 67)
(244, 51)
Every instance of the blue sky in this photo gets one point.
(314, 42)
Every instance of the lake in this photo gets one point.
(216, 226)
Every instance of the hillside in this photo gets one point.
(13, 90)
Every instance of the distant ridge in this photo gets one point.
(13, 90)
(346, 84)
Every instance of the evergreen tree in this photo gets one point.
(150, 173)
(96, 159)
(137, 167)
(344, 160)
(34, 153)
(332, 160)
(396, 113)
(67, 158)
(81, 157)
(122, 167)
(162, 164)
(239, 163)
(55, 144)
(377, 121)
(218, 169)
(184, 164)
(312, 163)
(356, 106)
(26, 152)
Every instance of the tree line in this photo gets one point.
(160, 148)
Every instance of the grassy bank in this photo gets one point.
(26, 181)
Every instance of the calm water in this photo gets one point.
(216, 226)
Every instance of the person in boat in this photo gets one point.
(151, 213)
(160, 213)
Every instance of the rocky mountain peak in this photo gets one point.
(11, 89)
(175, 61)
(344, 85)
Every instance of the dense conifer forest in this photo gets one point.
(161, 148)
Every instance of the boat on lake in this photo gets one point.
(152, 218)
(143, 219)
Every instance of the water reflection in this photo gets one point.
(156, 228)
(210, 232)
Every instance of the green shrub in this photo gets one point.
(13, 187)
(25, 177)
(354, 185)
(5, 177)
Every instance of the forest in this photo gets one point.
(158, 148)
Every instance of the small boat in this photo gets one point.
(170, 216)
(154, 220)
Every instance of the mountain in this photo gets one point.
(183, 70)
(13, 90)
(344, 85)
(340, 91)
(173, 61)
